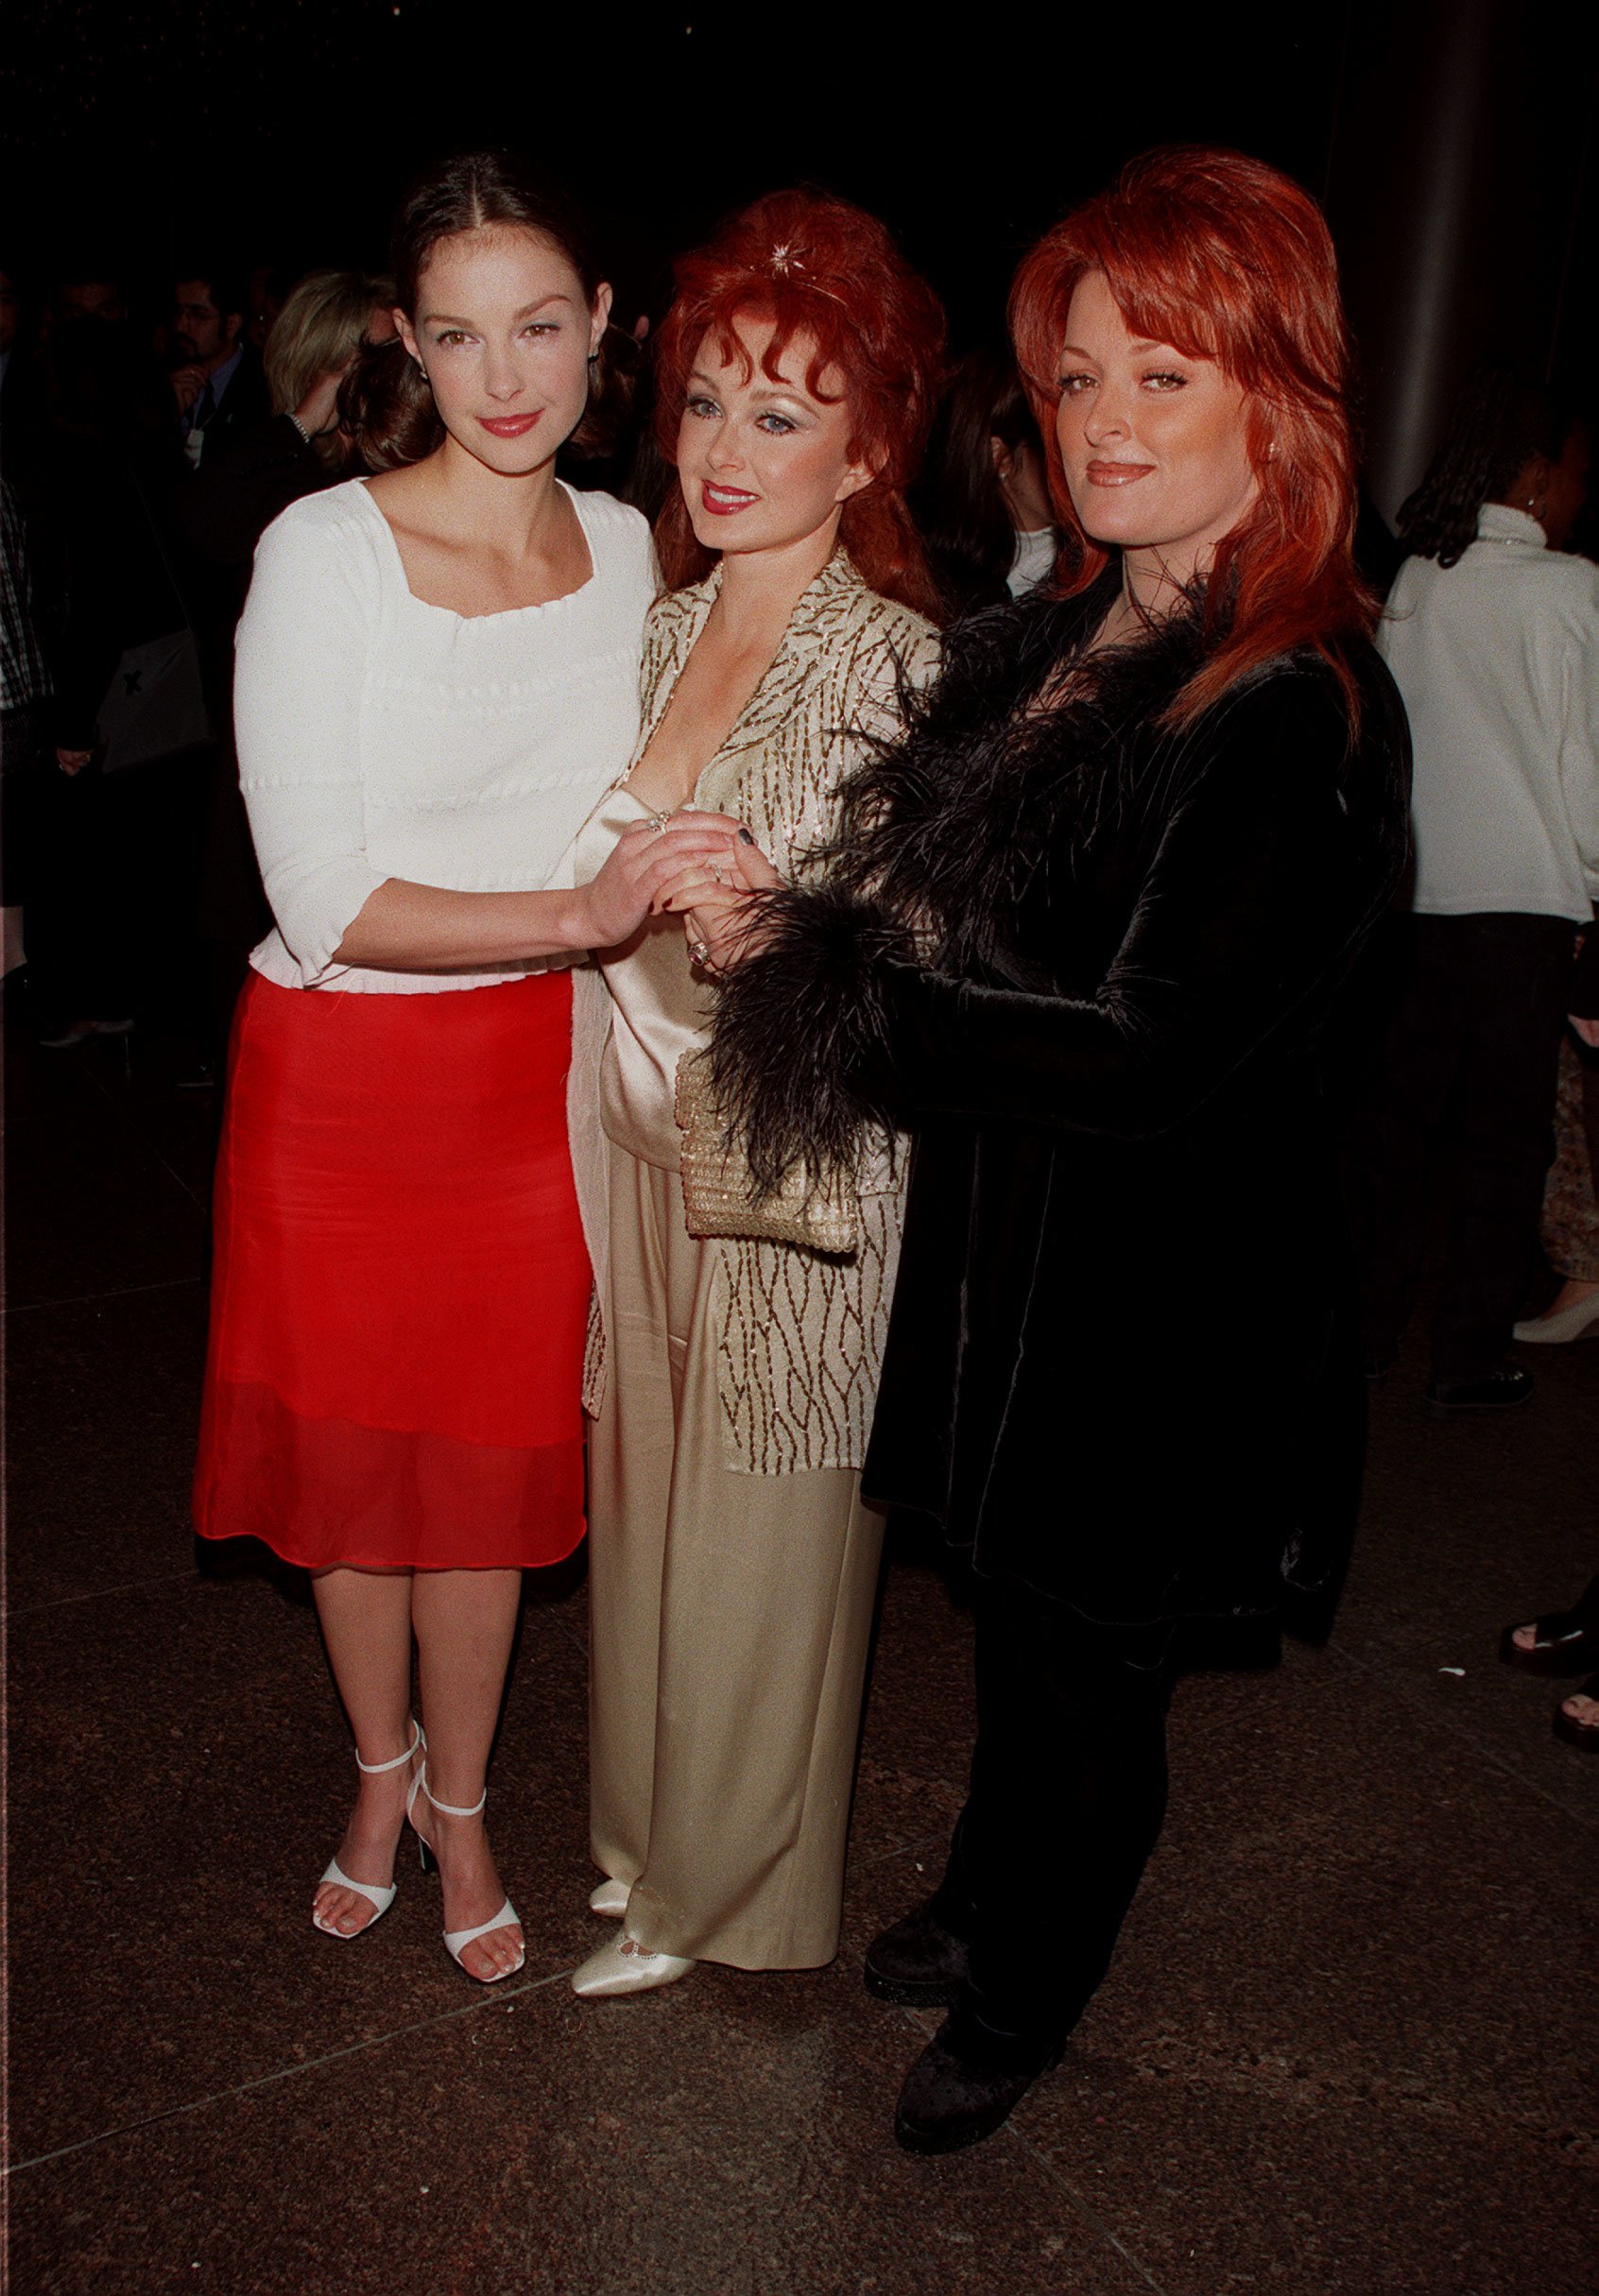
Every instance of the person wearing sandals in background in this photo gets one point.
(437, 674)
(732, 1567)
(1080, 936)
(1567, 1642)
(1563, 1642)
(1570, 1194)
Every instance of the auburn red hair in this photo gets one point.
(830, 276)
(1225, 259)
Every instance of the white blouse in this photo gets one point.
(1033, 560)
(380, 736)
(1497, 658)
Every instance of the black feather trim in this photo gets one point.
(800, 1028)
(939, 835)
(948, 826)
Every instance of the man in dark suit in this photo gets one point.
(218, 383)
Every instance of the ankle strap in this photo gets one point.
(450, 1808)
(375, 1769)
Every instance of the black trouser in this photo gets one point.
(1464, 1084)
(1067, 1798)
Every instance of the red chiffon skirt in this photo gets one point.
(401, 1288)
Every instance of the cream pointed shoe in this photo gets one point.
(609, 1898)
(1579, 1321)
(379, 1896)
(624, 1967)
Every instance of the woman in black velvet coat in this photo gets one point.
(1079, 938)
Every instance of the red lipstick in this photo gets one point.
(725, 502)
(1116, 473)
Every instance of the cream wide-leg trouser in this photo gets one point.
(730, 1619)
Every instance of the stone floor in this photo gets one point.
(1346, 2044)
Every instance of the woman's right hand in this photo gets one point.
(646, 859)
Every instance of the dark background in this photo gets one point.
(1451, 142)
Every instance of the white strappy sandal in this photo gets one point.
(376, 1895)
(457, 1940)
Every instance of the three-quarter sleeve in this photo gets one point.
(306, 630)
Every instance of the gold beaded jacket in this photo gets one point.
(800, 1336)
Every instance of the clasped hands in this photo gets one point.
(703, 867)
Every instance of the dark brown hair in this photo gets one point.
(959, 503)
(386, 402)
(1497, 425)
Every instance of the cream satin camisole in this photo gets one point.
(658, 1010)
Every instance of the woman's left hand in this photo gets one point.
(714, 902)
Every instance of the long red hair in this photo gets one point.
(829, 275)
(1225, 259)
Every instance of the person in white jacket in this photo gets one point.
(1492, 635)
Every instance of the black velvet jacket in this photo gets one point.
(1121, 1366)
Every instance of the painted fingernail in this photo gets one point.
(745, 838)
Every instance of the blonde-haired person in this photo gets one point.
(249, 477)
(326, 322)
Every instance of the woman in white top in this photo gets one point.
(1492, 635)
(437, 674)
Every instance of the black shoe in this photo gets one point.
(80, 1032)
(1506, 1390)
(917, 1963)
(948, 2102)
